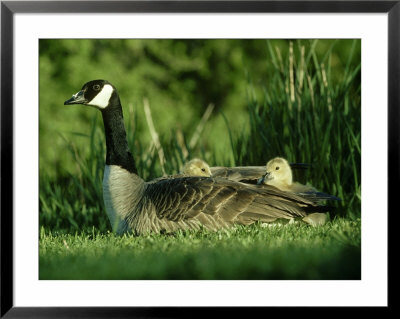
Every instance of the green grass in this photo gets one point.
(307, 110)
(283, 251)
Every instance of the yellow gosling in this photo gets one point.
(279, 174)
(197, 167)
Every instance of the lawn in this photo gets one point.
(261, 251)
(299, 99)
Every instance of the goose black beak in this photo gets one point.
(77, 98)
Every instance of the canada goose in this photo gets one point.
(167, 205)
(196, 167)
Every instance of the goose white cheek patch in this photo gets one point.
(101, 100)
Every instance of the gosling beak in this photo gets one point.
(266, 177)
(77, 98)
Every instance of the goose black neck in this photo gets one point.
(118, 152)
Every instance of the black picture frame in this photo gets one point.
(9, 8)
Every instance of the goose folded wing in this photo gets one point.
(221, 199)
(246, 173)
(318, 196)
(238, 173)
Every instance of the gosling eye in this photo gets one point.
(277, 168)
(203, 169)
(96, 87)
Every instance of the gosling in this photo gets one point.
(279, 174)
(196, 167)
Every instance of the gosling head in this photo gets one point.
(277, 171)
(197, 167)
(96, 93)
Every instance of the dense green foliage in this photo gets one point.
(298, 99)
(181, 78)
(295, 251)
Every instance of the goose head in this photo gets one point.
(96, 93)
(103, 96)
(277, 171)
(197, 167)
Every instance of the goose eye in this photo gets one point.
(277, 168)
(203, 169)
(96, 87)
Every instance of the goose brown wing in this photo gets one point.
(246, 173)
(238, 173)
(222, 199)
